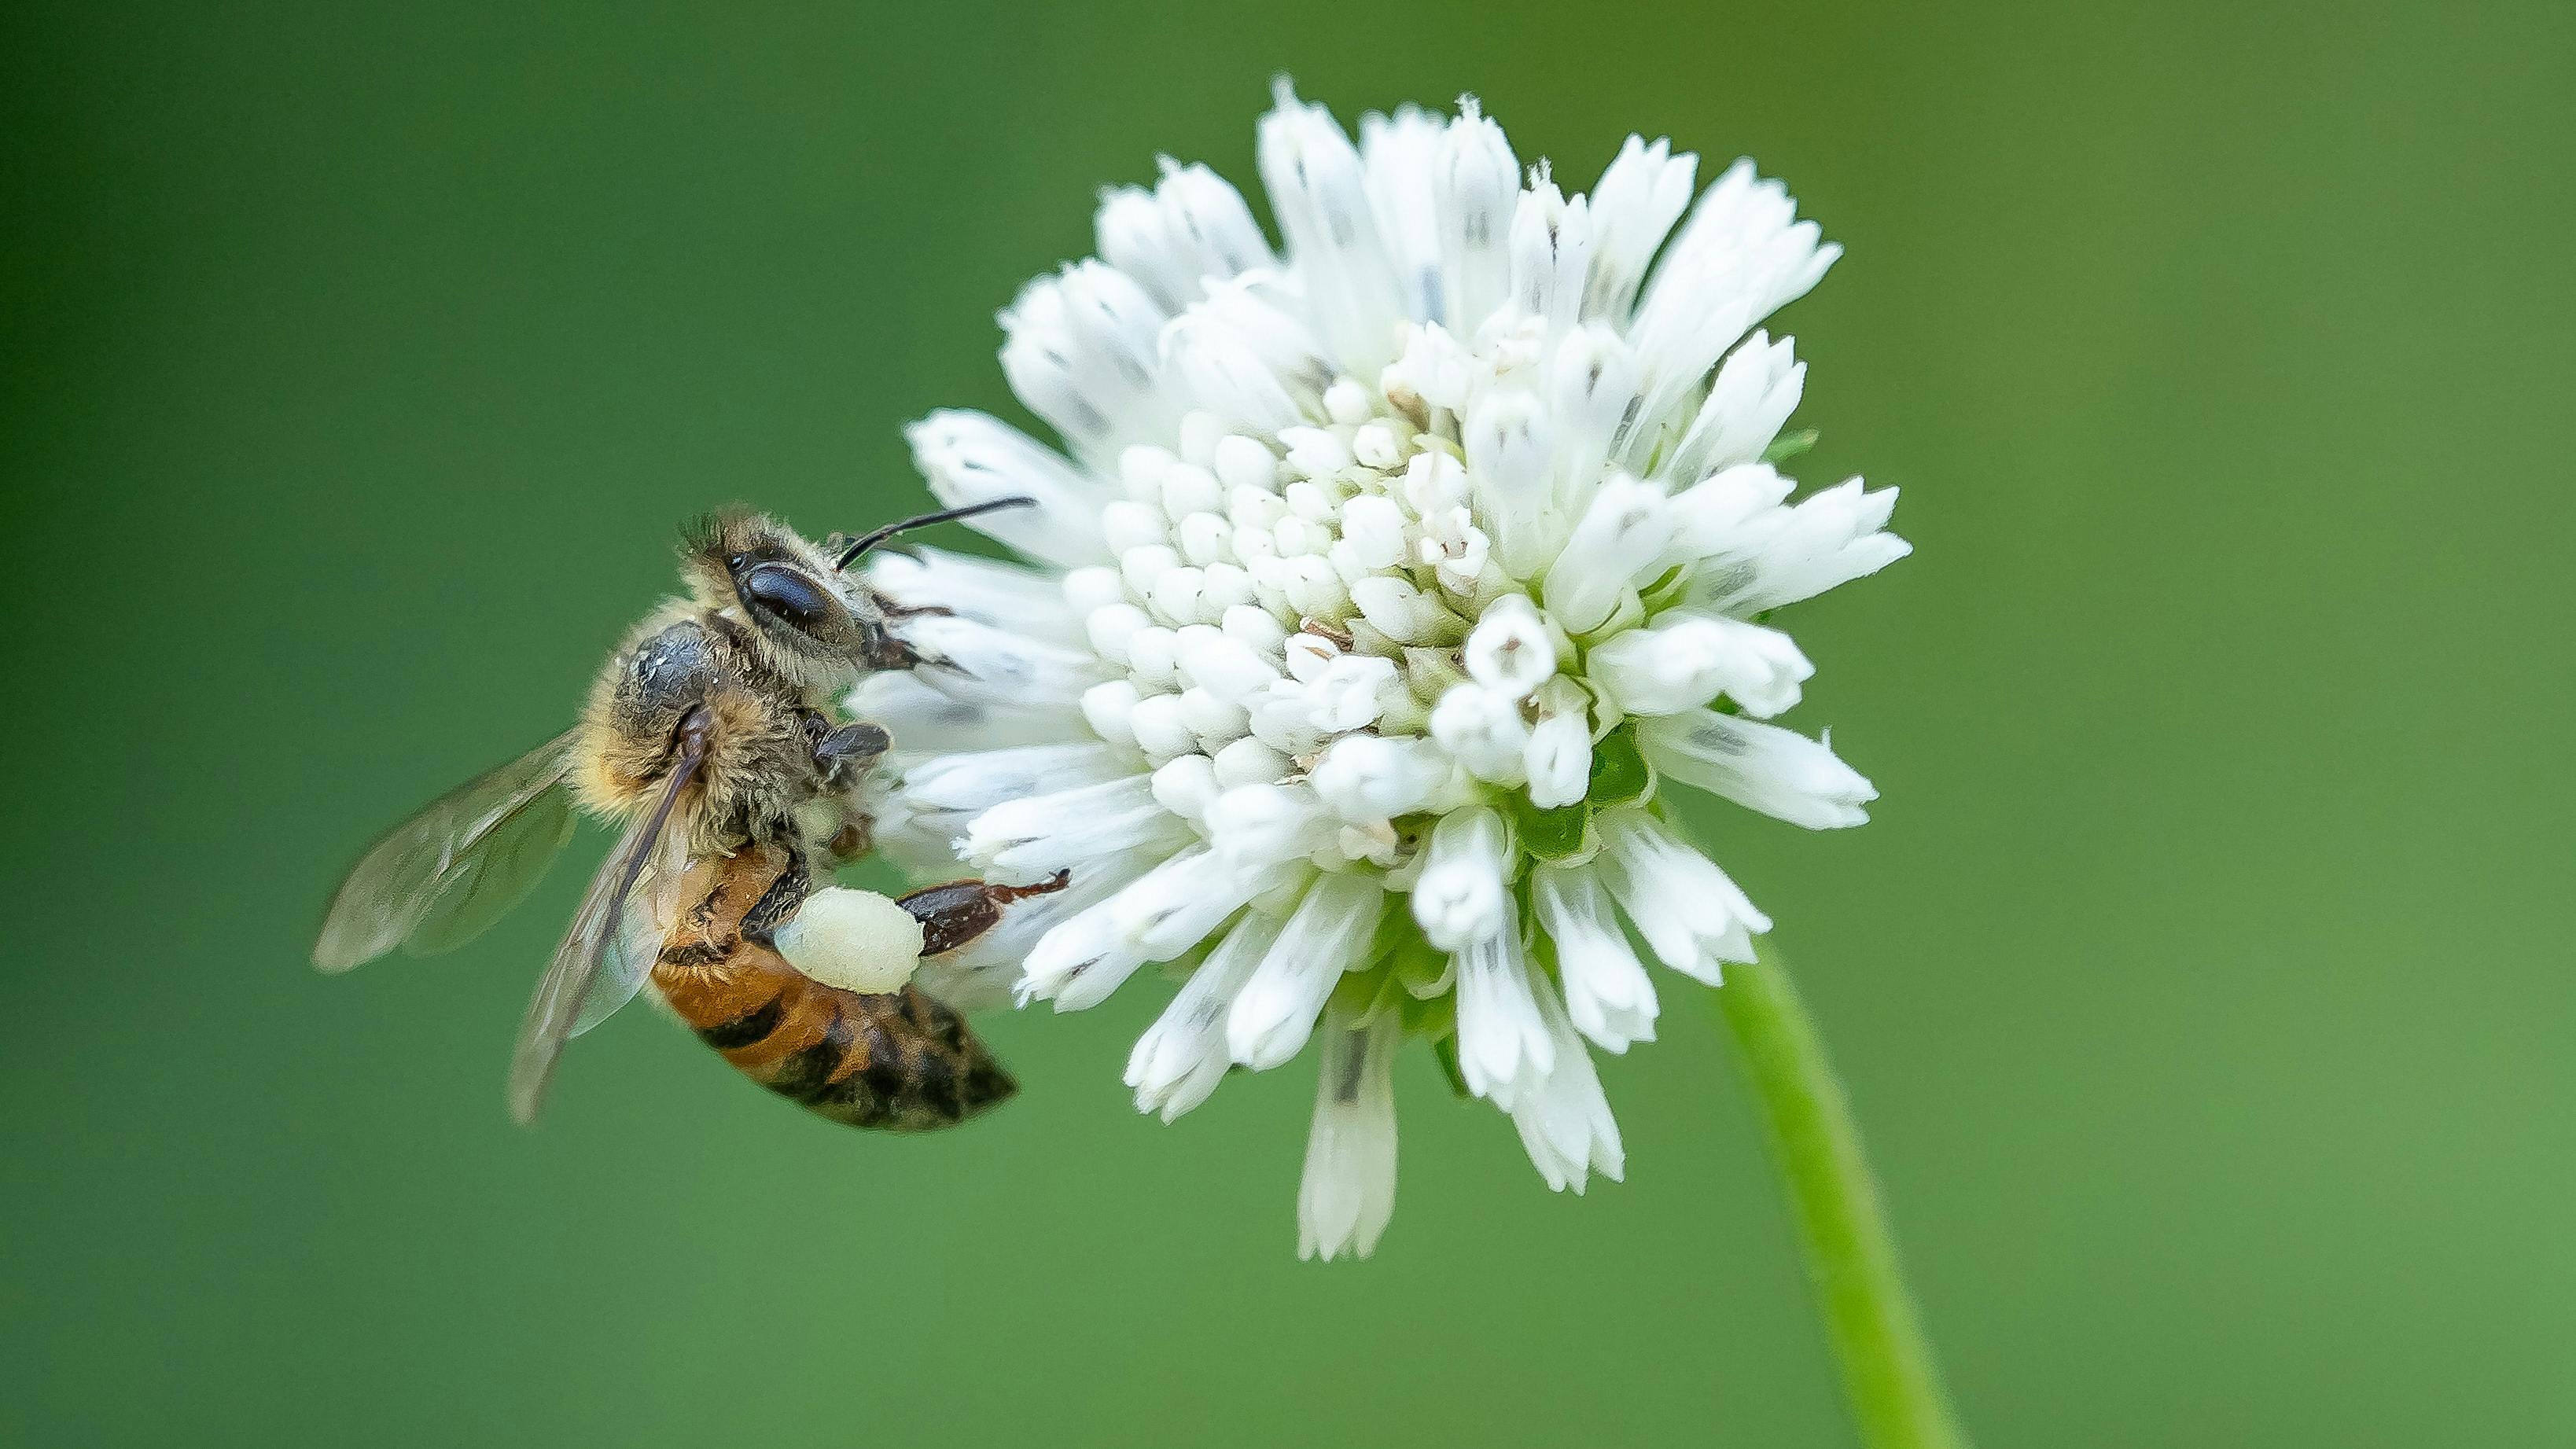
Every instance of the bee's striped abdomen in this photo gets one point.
(897, 1061)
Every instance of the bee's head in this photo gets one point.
(816, 622)
(813, 624)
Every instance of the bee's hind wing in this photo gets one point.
(569, 994)
(438, 879)
(629, 959)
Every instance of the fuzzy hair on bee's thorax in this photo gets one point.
(758, 767)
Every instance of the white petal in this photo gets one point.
(1210, 214)
(1245, 358)
(1201, 233)
(1109, 628)
(1828, 539)
(982, 664)
(1327, 935)
(1080, 350)
(1639, 197)
(1746, 226)
(910, 709)
(1759, 766)
(1222, 663)
(1740, 256)
(1143, 565)
(1182, 1057)
(1401, 154)
(1213, 723)
(1464, 892)
(1032, 837)
(1348, 1190)
(1686, 660)
(1351, 693)
(1092, 587)
(1256, 628)
(1366, 777)
(984, 971)
(1477, 189)
(1689, 912)
(1510, 439)
(1510, 651)
(1085, 945)
(1134, 235)
(1179, 902)
(1162, 730)
(1307, 655)
(1319, 193)
(1622, 534)
(1503, 1045)
(1607, 995)
(1109, 709)
(1483, 730)
(1312, 588)
(1725, 519)
(969, 458)
(1153, 656)
(1551, 254)
(945, 791)
(1564, 1120)
(1187, 787)
(1374, 526)
(1404, 613)
(1756, 389)
(1434, 365)
(985, 590)
(1259, 826)
(1282, 717)
(1250, 762)
(1593, 385)
(1558, 757)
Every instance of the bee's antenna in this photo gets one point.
(867, 541)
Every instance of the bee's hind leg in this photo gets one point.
(953, 914)
(848, 938)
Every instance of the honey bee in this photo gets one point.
(709, 735)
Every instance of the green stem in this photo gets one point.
(1851, 1255)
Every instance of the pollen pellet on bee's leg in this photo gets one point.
(853, 939)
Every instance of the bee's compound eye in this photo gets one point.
(787, 595)
(738, 562)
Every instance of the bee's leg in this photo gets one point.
(776, 904)
(852, 939)
(880, 649)
(846, 751)
(855, 838)
(953, 914)
(835, 544)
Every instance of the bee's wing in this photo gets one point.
(436, 880)
(597, 932)
(637, 944)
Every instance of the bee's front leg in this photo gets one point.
(953, 914)
(881, 649)
(840, 754)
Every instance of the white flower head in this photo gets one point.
(1384, 585)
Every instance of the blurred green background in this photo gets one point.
(2202, 983)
